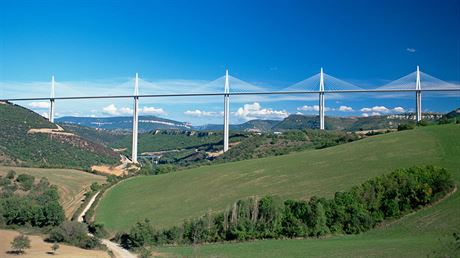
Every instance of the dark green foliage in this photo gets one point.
(97, 230)
(11, 174)
(24, 148)
(351, 212)
(73, 233)
(39, 207)
(403, 127)
(25, 181)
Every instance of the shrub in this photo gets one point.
(20, 243)
(403, 127)
(26, 181)
(73, 233)
(11, 174)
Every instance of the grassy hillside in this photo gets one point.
(72, 184)
(18, 146)
(426, 233)
(171, 198)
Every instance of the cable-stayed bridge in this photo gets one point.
(227, 86)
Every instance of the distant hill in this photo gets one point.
(253, 125)
(146, 123)
(453, 114)
(292, 122)
(28, 139)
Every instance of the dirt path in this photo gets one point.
(118, 251)
(58, 130)
(85, 210)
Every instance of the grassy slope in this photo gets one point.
(171, 198)
(41, 149)
(72, 184)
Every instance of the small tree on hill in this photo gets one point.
(55, 247)
(20, 243)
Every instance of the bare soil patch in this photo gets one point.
(42, 249)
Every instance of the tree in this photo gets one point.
(11, 174)
(55, 247)
(20, 243)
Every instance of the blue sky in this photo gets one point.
(98, 46)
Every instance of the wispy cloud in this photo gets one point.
(39, 105)
(201, 113)
(255, 111)
(411, 50)
(378, 110)
(113, 110)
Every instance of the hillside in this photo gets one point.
(72, 184)
(146, 123)
(189, 194)
(28, 139)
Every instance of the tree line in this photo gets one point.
(351, 212)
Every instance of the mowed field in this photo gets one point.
(72, 184)
(169, 199)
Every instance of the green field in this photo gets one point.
(169, 199)
(72, 184)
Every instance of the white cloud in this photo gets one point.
(114, 111)
(399, 110)
(153, 111)
(200, 113)
(45, 114)
(411, 50)
(110, 110)
(382, 109)
(308, 108)
(371, 114)
(255, 111)
(42, 104)
(312, 108)
(345, 109)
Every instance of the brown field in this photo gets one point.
(41, 249)
(72, 184)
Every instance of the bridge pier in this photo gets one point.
(51, 114)
(135, 119)
(226, 112)
(418, 96)
(321, 100)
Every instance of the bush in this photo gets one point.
(20, 243)
(11, 174)
(403, 127)
(26, 181)
(73, 233)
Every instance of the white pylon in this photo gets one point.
(418, 96)
(52, 96)
(135, 119)
(226, 111)
(321, 100)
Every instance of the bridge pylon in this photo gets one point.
(226, 111)
(52, 96)
(418, 96)
(135, 119)
(321, 100)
